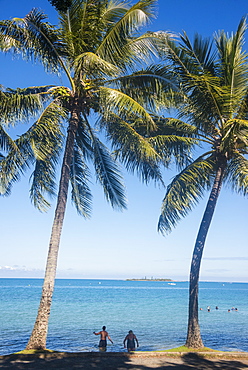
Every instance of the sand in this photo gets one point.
(121, 361)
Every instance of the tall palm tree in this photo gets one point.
(96, 48)
(212, 80)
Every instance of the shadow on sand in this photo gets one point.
(118, 361)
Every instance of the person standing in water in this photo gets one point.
(130, 339)
(103, 339)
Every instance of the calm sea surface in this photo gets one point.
(155, 311)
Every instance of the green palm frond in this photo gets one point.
(237, 174)
(79, 178)
(6, 43)
(6, 142)
(44, 181)
(124, 105)
(108, 174)
(140, 51)
(35, 38)
(21, 104)
(200, 53)
(20, 153)
(184, 192)
(42, 144)
(175, 126)
(133, 149)
(84, 140)
(235, 137)
(46, 131)
(144, 48)
(173, 148)
(45, 139)
(12, 166)
(233, 66)
(82, 27)
(114, 11)
(199, 83)
(92, 66)
(153, 88)
(137, 16)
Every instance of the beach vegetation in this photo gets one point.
(97, 49)
(185, 349)
(35, 351)
(210, 78)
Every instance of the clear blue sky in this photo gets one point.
(124, 244)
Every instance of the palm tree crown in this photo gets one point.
(214, 87)
(95, 48)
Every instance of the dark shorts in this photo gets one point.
(130, 344)
(103, 343)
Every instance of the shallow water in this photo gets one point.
(155, 311)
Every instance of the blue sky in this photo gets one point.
(124, 244)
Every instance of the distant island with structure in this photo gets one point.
(150, 279)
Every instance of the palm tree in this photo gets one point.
(61, 5)
(96, 48)
(213, 88)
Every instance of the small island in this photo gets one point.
(150, 279)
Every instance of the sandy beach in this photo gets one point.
(121, 361)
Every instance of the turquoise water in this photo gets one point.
(155, 311)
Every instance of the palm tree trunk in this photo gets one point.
(194, 335)
(39, 334)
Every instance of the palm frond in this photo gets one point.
(20, 152)
(117, 37)
(92, 66)
(233, 67)
(46, 130)
(79, 178)
(43, 181)
(84, 140)
(22, 104)
(6, 142)
(175, 126)
(37, 40)
(144, 48)
(114, 11)
(200, 53)
(235, 136)
(12, 166)
(40, 145)
(200, 86)
(184, 192)
(133, 149)
(122, 104)
(108, 174)
(45, 139)
(6, 43)
(237, 174)
(173, 148)
(154, 88)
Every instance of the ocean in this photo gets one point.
(155, 311)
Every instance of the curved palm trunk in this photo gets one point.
(194, 336)
(39, 334)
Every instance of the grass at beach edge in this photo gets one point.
(187, 349)
(176, 351)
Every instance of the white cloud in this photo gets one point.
(7, 268)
